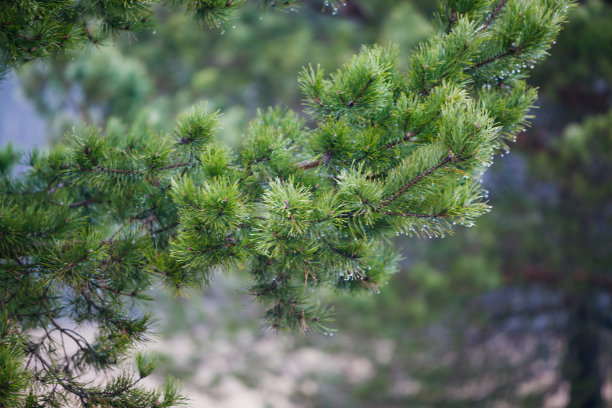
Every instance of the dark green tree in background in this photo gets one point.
(104, 215)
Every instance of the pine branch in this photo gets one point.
(415, 215)
(305, 165)
(398, 193)
(500, 6)
(514, 50)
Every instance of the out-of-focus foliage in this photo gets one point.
(32, 29)
(578, 74)
(228, 68)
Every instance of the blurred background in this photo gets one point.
(514, 312)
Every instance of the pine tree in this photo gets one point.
(100, 218)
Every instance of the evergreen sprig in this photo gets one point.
(96, 221)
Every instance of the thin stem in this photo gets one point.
(415, 215)
(516, 49)
(494, 14)
(415, 180)
(309, 164)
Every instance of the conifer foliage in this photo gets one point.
(32, 29)
(393, 150)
